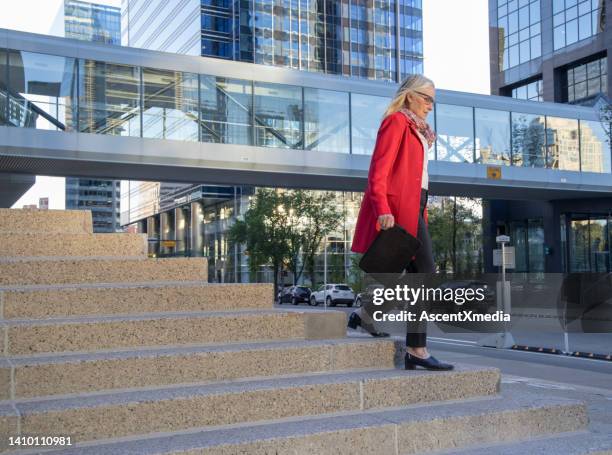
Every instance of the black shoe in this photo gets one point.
(354, 321)
(430, 363)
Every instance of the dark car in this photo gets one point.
(294, 295)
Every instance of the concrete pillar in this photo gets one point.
(180, 228)
(166, 229)
(153, 234)
(196, 237)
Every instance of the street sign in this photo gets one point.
(494, 172)
(502, 238)
(509, 259)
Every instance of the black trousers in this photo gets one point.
(422, 263)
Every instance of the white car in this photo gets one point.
(333, 294)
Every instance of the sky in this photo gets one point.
(455, 35)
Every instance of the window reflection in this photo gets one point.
(170, 105)
(226, 107)
(109, 98)
(366, 116)
(594, 149)
(278, 115)
(562, 144)
(455, 133)
(492, 136)
(326, 120)
(42, 91)
(527, 140)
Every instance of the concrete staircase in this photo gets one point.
(129, 355)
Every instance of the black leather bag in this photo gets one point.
(390, 252)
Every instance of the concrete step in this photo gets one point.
(130, 413)
(28, 377)
(48, 246)
(85, 334)
(24, 273)
(91, 300)
(572, 443)
(20, 221)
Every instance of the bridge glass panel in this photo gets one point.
(109, 98)
(455, 133)
(594, 149)
(366, 115)
(326, 120)
(492, 136)
(42, 91)
(528, 140)
(226, 109)
(278, 115)
(562, 144)
(170, 101)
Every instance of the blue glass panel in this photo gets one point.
(226, 107)
(571, 29)
(558, 5)
(455, 133)
(524, 51)
(278, 115)
(42, 91)
(492, 136)
(326, 120)
(562, 143)
(594, 147)
(109, 98)
(528, 140)
(170, 108)
(536, 47)
(534, 12)
(523, 18)
(366, 115)
(559, 37)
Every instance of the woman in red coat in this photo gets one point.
(397, 192)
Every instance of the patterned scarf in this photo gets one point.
(420, 125)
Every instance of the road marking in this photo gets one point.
(474, 345)
(452, 339)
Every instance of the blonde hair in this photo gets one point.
(410, 84)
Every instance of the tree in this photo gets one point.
(284, 228)
(321, 218)
(264, 231)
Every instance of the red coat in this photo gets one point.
(394, 181)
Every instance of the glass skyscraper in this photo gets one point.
(374, 39)
(98, 23)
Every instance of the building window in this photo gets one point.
(531, 91)
(576, 20)
(586, 80)
(518, 23)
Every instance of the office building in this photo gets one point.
(550, 50)
(102, 24)
(374, 39)
(557, 51)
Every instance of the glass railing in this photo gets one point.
(75, 94)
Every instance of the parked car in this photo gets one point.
(294, 295)
(333, 294)
(367, 294)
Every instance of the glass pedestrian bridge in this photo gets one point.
(76, 108)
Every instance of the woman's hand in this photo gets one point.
(386, 221)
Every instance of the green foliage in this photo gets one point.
(456, 233)
(285, 228)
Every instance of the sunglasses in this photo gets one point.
(426, 97)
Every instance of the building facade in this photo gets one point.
(557, 51)
(374, 39)
(550, 50)
(98, 23)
